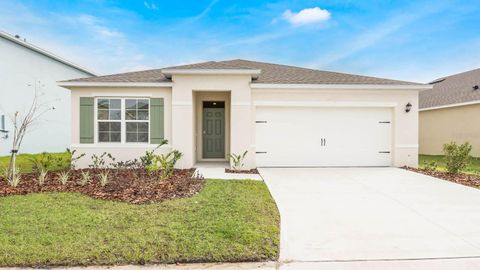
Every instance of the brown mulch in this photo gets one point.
(133, 186)
(252, 171)
(470, 180)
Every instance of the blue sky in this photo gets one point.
(409, 40)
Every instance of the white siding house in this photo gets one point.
(22, 66)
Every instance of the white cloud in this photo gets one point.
(306, 16)
(151, 5)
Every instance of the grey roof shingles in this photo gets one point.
(451, 90)
(270, 74)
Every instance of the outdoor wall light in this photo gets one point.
(475, 87)
(408, 107)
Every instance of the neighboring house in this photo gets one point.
(449, 112)
(22, 67)
(283, 115)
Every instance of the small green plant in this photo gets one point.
(47, 162)
(73, 157)
(430, 166)
(99, 162)
(104, 178)
(14, 179)
(42, 177)
(85, 179)
(237, 160)
(149, 158)
(167, 163)
(457, 157)
(63, 177)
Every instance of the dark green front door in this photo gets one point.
(213, 141)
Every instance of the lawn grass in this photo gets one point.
(24, 161)
(472, 168)
(227, 221)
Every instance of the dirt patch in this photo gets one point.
(133, 186)
(252, 171)
(461, 178)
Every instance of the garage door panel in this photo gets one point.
(298, 136)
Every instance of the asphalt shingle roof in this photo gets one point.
(270, 74)
(453, 89)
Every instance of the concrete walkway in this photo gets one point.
(387, 215)
(216, 170)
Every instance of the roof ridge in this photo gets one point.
(318, 70)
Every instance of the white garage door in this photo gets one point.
(303, 137)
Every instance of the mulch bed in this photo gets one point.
(252, 171)
(133, 186)
(461, 178)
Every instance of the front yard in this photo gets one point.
(226, 221)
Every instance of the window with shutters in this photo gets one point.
(122, 120)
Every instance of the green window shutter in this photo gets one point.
(86, 119)
(157, 120)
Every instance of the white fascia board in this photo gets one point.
(340, 86)
(451, 105)
(39, 50)
(113, 84)
(211, 71)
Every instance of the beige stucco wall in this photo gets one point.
(457, 124)
(405, 125)
(121, 152)
(183, 113)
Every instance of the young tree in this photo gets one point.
(22, 123)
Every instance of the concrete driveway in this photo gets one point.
(378, 214)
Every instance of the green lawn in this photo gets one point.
(24, 162)
(472, 168)
(227, 221)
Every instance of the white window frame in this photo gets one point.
(123, 121)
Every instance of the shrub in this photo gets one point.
(149, 158)
(99, 162)
(12, 179)
(42, 177)
(456, 156)
(63, 177)
(430, 166)
(47, 162)
(73, 157)
(85, 179)
(237, 160)
(104, 178)
(167, 162)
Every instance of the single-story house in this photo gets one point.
(449, 113)
(282, 115)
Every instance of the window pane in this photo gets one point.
(115, 126)
(131, 115)
(115, 114)
(131, 127)
(143, 137)
(115, 104)
(115, 136)
(130, 104)
(102, 114)
(103, 126)
(143, 127)
(102, 104)
(143, 104)
(131, 137)
(103, 137)
(142, 115)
